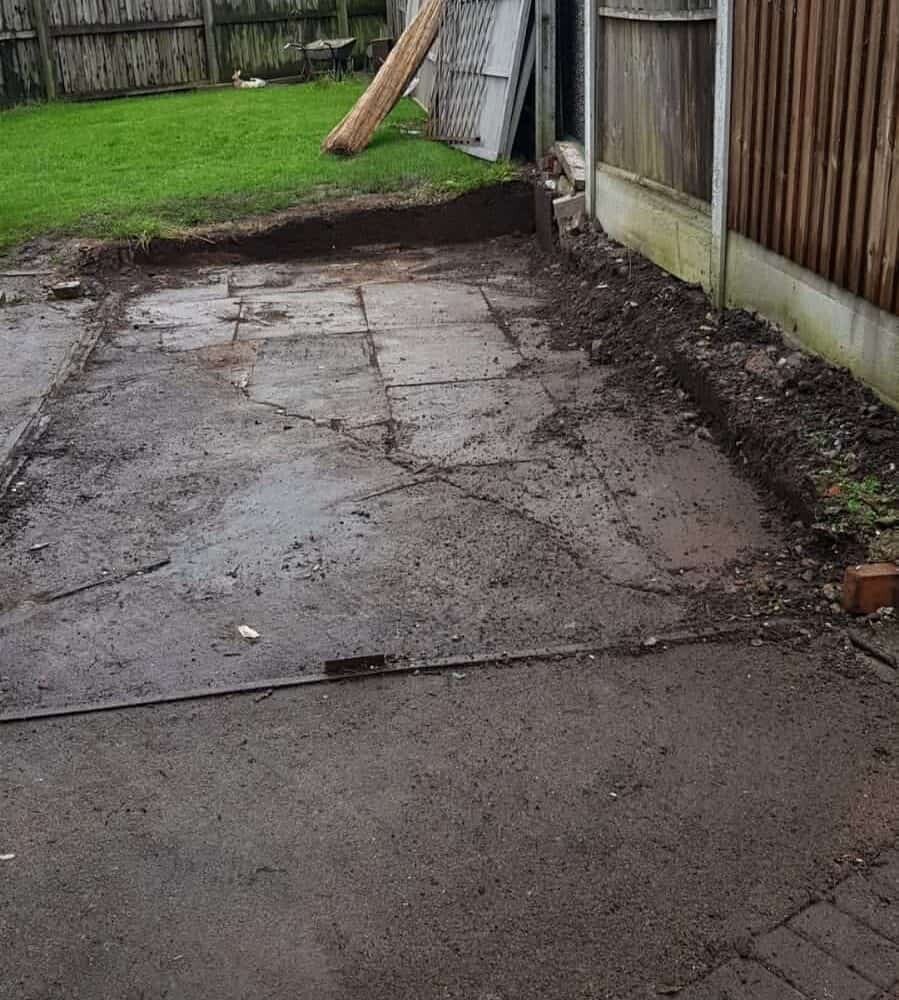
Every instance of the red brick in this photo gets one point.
(870, 587)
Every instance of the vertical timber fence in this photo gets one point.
(814, 158)
(91, 48)
(753, 146)
(657, 79)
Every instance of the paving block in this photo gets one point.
(811, 970)
(320, 378)
(444, 353)
(870, 587)
(272, 313)
(874, 904)
(194, 306)
(851, 942)
(741, 980)
(423, 303)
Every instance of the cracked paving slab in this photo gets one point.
(381, 461)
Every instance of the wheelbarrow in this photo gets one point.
(327, 55)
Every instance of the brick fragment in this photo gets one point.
(869, 587)
(811, 970)
(861, 949)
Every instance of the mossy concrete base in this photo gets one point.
(673, 234)
(815, 313)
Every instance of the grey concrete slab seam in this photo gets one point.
(391, 666)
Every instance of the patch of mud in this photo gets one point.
(809, 430)
(319, 230)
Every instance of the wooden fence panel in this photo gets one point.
(253, 33)
(20, 62)
(95, 47)
(657, 94)
(127, 46)
(814, 167)
(657, 6)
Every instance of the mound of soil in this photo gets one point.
(825, 443)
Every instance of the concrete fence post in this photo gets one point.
(591, 103)
(721, 150)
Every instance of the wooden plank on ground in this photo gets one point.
(571, 156)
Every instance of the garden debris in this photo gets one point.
(354, 133)
(66, 289)
(870, 587)
(250, 634)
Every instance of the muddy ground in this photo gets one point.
(632, 732)
(808, 430)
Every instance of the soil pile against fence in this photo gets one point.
(823, 441)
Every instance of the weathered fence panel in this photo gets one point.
(71, 48)
(657, 81)
(814, 164)
(20, 57)
(677, 8)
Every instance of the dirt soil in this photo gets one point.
(807, 429)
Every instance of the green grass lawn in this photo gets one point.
(147, 166)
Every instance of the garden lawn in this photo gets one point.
(146, 166)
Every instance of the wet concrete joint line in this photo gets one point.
(237, 321)
(13, 616)
(499, 319)
(630, 531)
(391, 425)
(631, 534)
(399, 487)
(453, 381)
(632, 646)
(524, 515)
(106, 317)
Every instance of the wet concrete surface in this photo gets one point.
(595, 828)
(380, 454)
(358, 458)
(37, 337)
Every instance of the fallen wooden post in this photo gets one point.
(354, 133)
